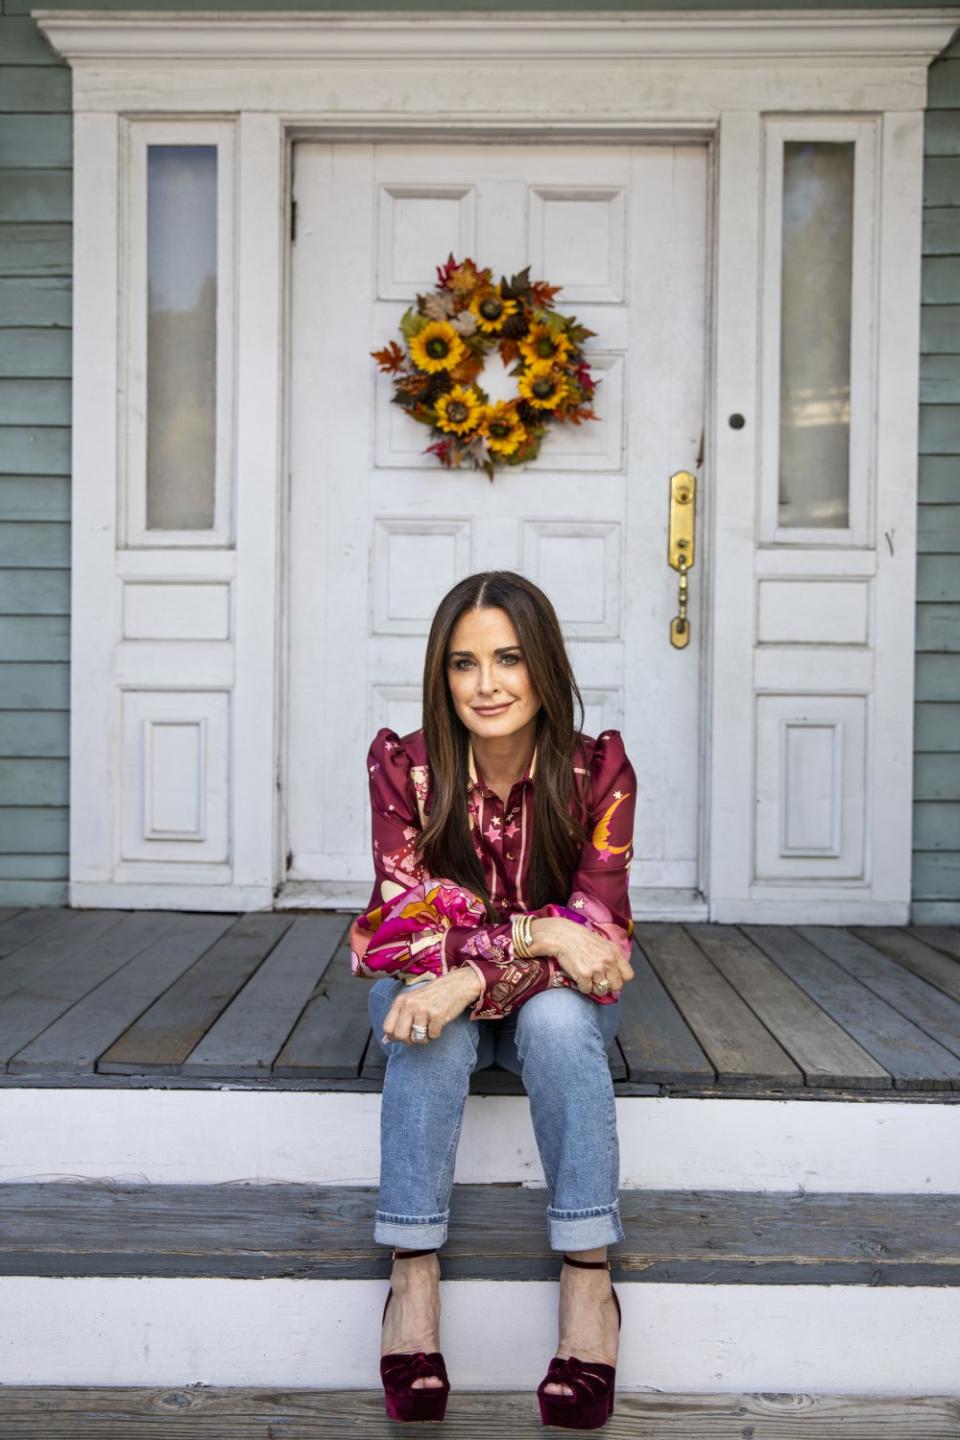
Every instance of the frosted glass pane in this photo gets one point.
(181, 335)
(815, 333)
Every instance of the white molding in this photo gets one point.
(693, 66)
(898, 37)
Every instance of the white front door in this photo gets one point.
(379, 531)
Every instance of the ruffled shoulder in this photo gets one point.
(398, 774)
(609, 767)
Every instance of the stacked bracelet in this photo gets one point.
(522, 928)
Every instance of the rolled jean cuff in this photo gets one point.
(584, 1229)
(410, 1232)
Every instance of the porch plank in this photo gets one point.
(51, 989)
(217, 1412)
(254, 1027)
(824, 1051)
(329, 1039)
(45, 946)
(657, 1043)
(938, 937)
(740, 1048)
(78, 1038)
(935, 1013)
(913, 1060)
(325, 1232)
(162, 1037)
(930, 964)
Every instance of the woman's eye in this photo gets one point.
(511, 659)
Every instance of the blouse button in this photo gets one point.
(511, 857)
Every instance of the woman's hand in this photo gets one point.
(432, 1003)
(581, 953)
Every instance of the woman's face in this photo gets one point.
(487, 672)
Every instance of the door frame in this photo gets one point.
(721, 78)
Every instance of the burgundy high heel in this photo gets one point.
(398, 1372)
(591, 1381)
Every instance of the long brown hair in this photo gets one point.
(446, 845)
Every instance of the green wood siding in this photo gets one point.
(35, 300)
(35, 272)
(936, 806)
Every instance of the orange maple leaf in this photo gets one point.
(391, 358)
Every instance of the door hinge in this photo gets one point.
(293, 219)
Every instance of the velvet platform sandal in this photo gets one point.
(398, 1372)
(591, 1381)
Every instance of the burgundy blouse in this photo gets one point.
(416, 923)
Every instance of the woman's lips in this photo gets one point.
(493, 709)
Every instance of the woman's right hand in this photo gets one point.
(581, 953)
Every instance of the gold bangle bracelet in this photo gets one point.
(522, 936)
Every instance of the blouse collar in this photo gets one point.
(473, 779)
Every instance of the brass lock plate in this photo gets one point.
(680, 542)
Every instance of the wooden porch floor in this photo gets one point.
(149, 997)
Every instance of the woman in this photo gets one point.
(500, 928)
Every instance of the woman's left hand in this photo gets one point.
(432, 1003)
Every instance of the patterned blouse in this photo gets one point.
(416, 923)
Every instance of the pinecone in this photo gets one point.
(515, 326)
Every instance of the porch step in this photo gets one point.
(244, 1413)
(690, 1237)
(281, 1285)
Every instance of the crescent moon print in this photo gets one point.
(601, 833)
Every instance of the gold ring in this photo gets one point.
(602, 986)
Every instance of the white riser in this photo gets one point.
(837, 1339)
(210, 1136)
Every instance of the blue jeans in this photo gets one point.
(557, 1042)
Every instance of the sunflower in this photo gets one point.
(543, 386)
(437, 347)
(503, 429)
(490, 310)
(459, 410)
(540, 346)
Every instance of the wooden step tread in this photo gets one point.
(325, 1233)
(205, 1412)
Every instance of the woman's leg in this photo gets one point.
(560, 1041)
(424, 1091)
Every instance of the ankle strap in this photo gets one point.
(412, 1254)
(587, 1264)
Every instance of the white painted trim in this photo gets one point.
(321, 1334)
(724, 1142)
(898, 37)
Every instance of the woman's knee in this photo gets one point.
(549, 1021)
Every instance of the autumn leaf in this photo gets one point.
(543, 293)
(391, 358)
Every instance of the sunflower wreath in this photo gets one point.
(450, 334)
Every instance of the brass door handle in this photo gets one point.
(680, 547)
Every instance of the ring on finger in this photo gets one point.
(419, 1033)
(602, 985)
